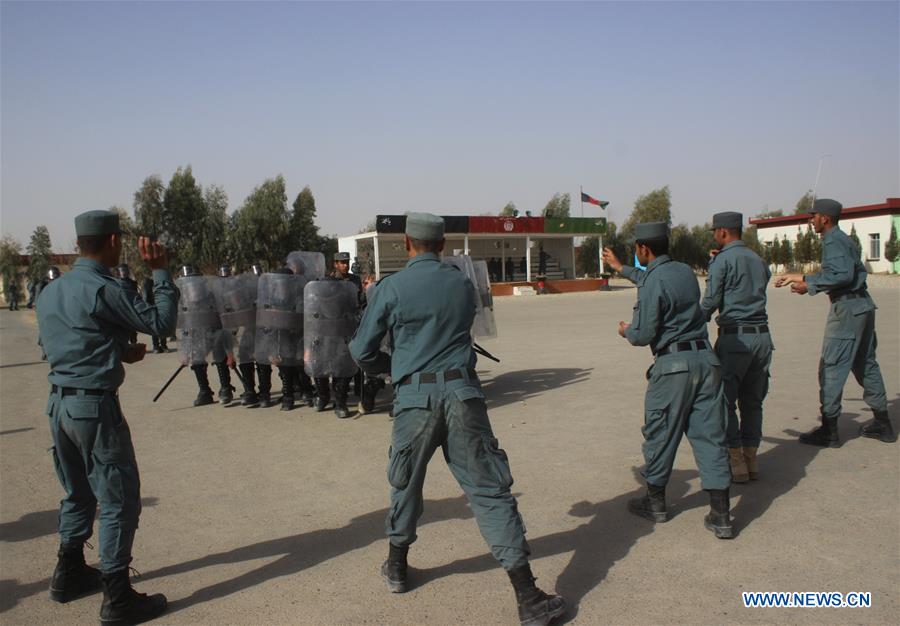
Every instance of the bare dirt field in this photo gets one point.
(268, 517)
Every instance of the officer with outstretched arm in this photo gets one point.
(85, 320)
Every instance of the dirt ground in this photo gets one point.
(268, 517)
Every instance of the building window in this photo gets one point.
(874, 246)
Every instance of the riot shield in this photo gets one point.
(198, 323)
(310, 265)
(485, 324)
(330, 317)
(279, 319)
(476, 271)
(236, 301)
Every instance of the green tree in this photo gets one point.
(303, 232)
(213, 250)
(787, 252)
(588, 261)
(750, 236)
(801, 248)
(655, 206)
(892, 247)
(815, 245)
(149, 213)
(39, 251)
(184, 216)
(856, 242)
(767, 214)
(804, 204)
(261, 225)
(10, 250)
(557, 206)
(130, 253)
(509, 210)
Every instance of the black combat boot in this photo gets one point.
(536, 608)
(880, 429)
(393, 570)
(825, 435)
(249, 397)
(123, 605)
(287, 388)
(718, 519)
(341, 388)
(651, 506)
(370, 388)
(323, 394)
(305, 385)
(226, 391)
(72, 578)
(265, 385)
(205, 396)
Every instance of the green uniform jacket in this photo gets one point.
(86, 316)
(666, 310)
(842, 270)
(428, 334)
(736, 287)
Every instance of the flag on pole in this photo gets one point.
(600, 203)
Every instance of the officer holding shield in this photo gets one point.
(428, 309)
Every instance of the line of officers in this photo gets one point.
(296, 318)
(714, 394)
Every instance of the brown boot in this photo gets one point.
(752, 465)
(738, 466)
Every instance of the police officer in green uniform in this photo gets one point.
(684, 393)
(736, 288)
(85, 319)
(850, 341)
(428, 308)
(341, 385)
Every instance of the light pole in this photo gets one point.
(818, 174)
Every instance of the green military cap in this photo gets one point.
(650, 231)
(727, 219)
(827, 207)
(342, 256)
(92, 223)
(424, 227)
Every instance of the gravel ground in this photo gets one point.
(269, 517)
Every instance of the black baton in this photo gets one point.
(169, 382)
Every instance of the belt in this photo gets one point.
(743, 330)
(426, 378)
(71, 391)
(848, 296)
(683, 346)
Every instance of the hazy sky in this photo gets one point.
(453, 108)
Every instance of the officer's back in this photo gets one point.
(672, 287)
(431, 327)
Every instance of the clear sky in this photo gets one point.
(454, 108)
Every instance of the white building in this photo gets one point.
(872, 223)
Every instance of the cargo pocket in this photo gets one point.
(399, 467)
(492, 464)
(469, 393)
(837, 350)
(654, 432)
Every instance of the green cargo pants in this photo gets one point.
(745, 362)
(452, 415)
(94, 460)
(685, 396)
(849, 346)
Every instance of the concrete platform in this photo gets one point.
(266, 517)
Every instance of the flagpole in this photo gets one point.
(581, 197)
